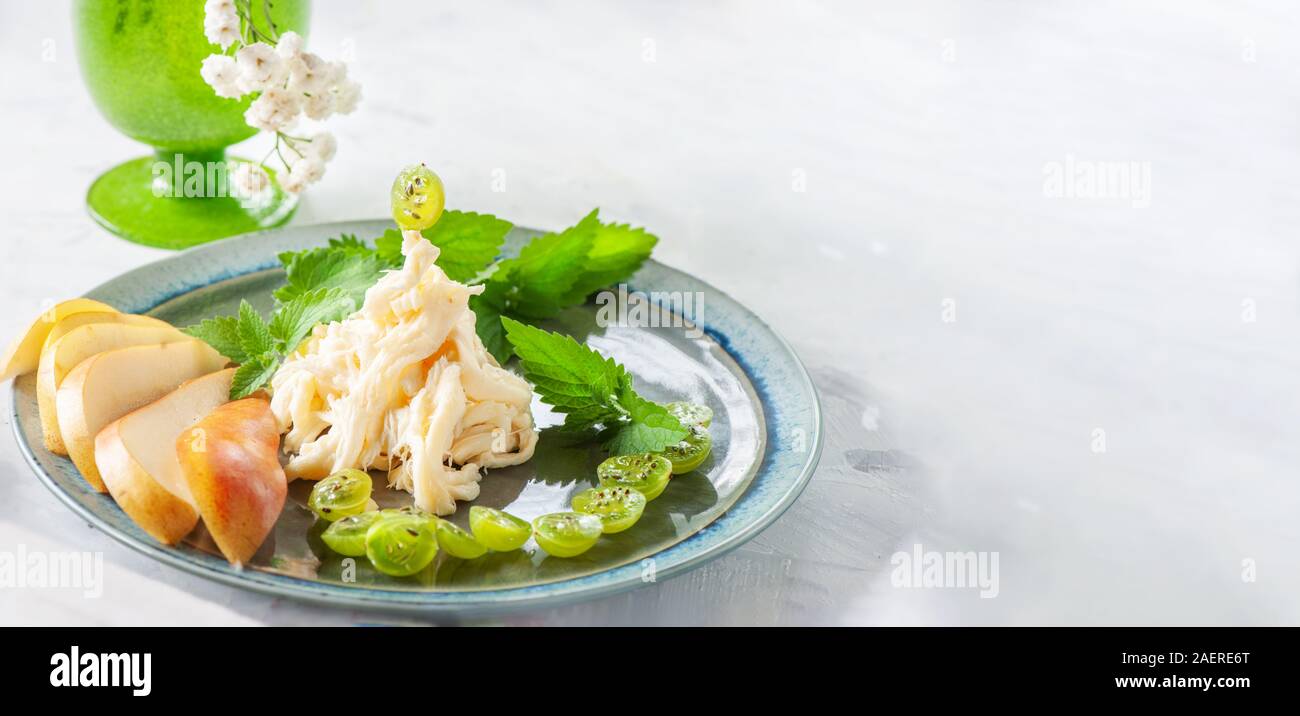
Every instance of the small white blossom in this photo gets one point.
(306, 170)
(319, 106)
(249, 179)
(218, 8)
(336, 73)
(276, 109)
(260, 68)
(222, 74)
(322, 146)
(346, 96)
(221, 22)
(308, 74)
(223, 34)
(292, 184)
(289, 46)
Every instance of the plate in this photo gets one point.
(680, 338)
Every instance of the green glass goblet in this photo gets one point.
(140, 60)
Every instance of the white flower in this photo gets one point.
(346, 96)
(276, 109)
(218, 8)
(319, 106)
(322, 146)
(222, 34)
(249, 179)
(290, 45)
(260, 68)
(308, 74)
(292, 184)
(221, 22)
(337, 73)
(222, 73)
(306, 170)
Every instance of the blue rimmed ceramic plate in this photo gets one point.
(679, 337)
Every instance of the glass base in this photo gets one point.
(159, 201)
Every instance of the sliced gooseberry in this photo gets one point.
(340, 495)
(618, 507)
(646, 473)
(689, 414)
(567, 534)
(347, 536)
(457, 542)
(400, 546)
(498, 530)
(691, 452)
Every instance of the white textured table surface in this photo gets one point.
(976, 334)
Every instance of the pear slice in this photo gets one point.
(24, 353)
(231, 463)
(111, 384)
(136, 456)
(73, 345)
(76, 320)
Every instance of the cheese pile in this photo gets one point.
(404, 385)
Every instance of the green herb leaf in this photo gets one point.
(294, 320)
(547, 269)
(388, 248)
(350, 242)
(487, 319)
(556, 271)
(617, 251)
(591, 389)
(222, 333)
(467, 243)
(341, 265)
(650, 428)
(254, 334)
(252, 375)
(568, 375)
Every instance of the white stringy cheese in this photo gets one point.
(404, 385)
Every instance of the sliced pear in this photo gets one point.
(24, 353)
(136, 456)
(111, 384)
(76, 320)
(231, 463)
(74, 345)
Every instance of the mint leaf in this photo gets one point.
(467, 243)
(294, 320)
(617, 251)
(389, 248)
(350, 243)
(569, 376)
(541, 277)
(591, 390)
(556, 271)
(487, 322)
(252, 375)
(341, 265)
(222, 333)
(254, 334)
(650, 428)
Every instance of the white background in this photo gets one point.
(923, 131)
